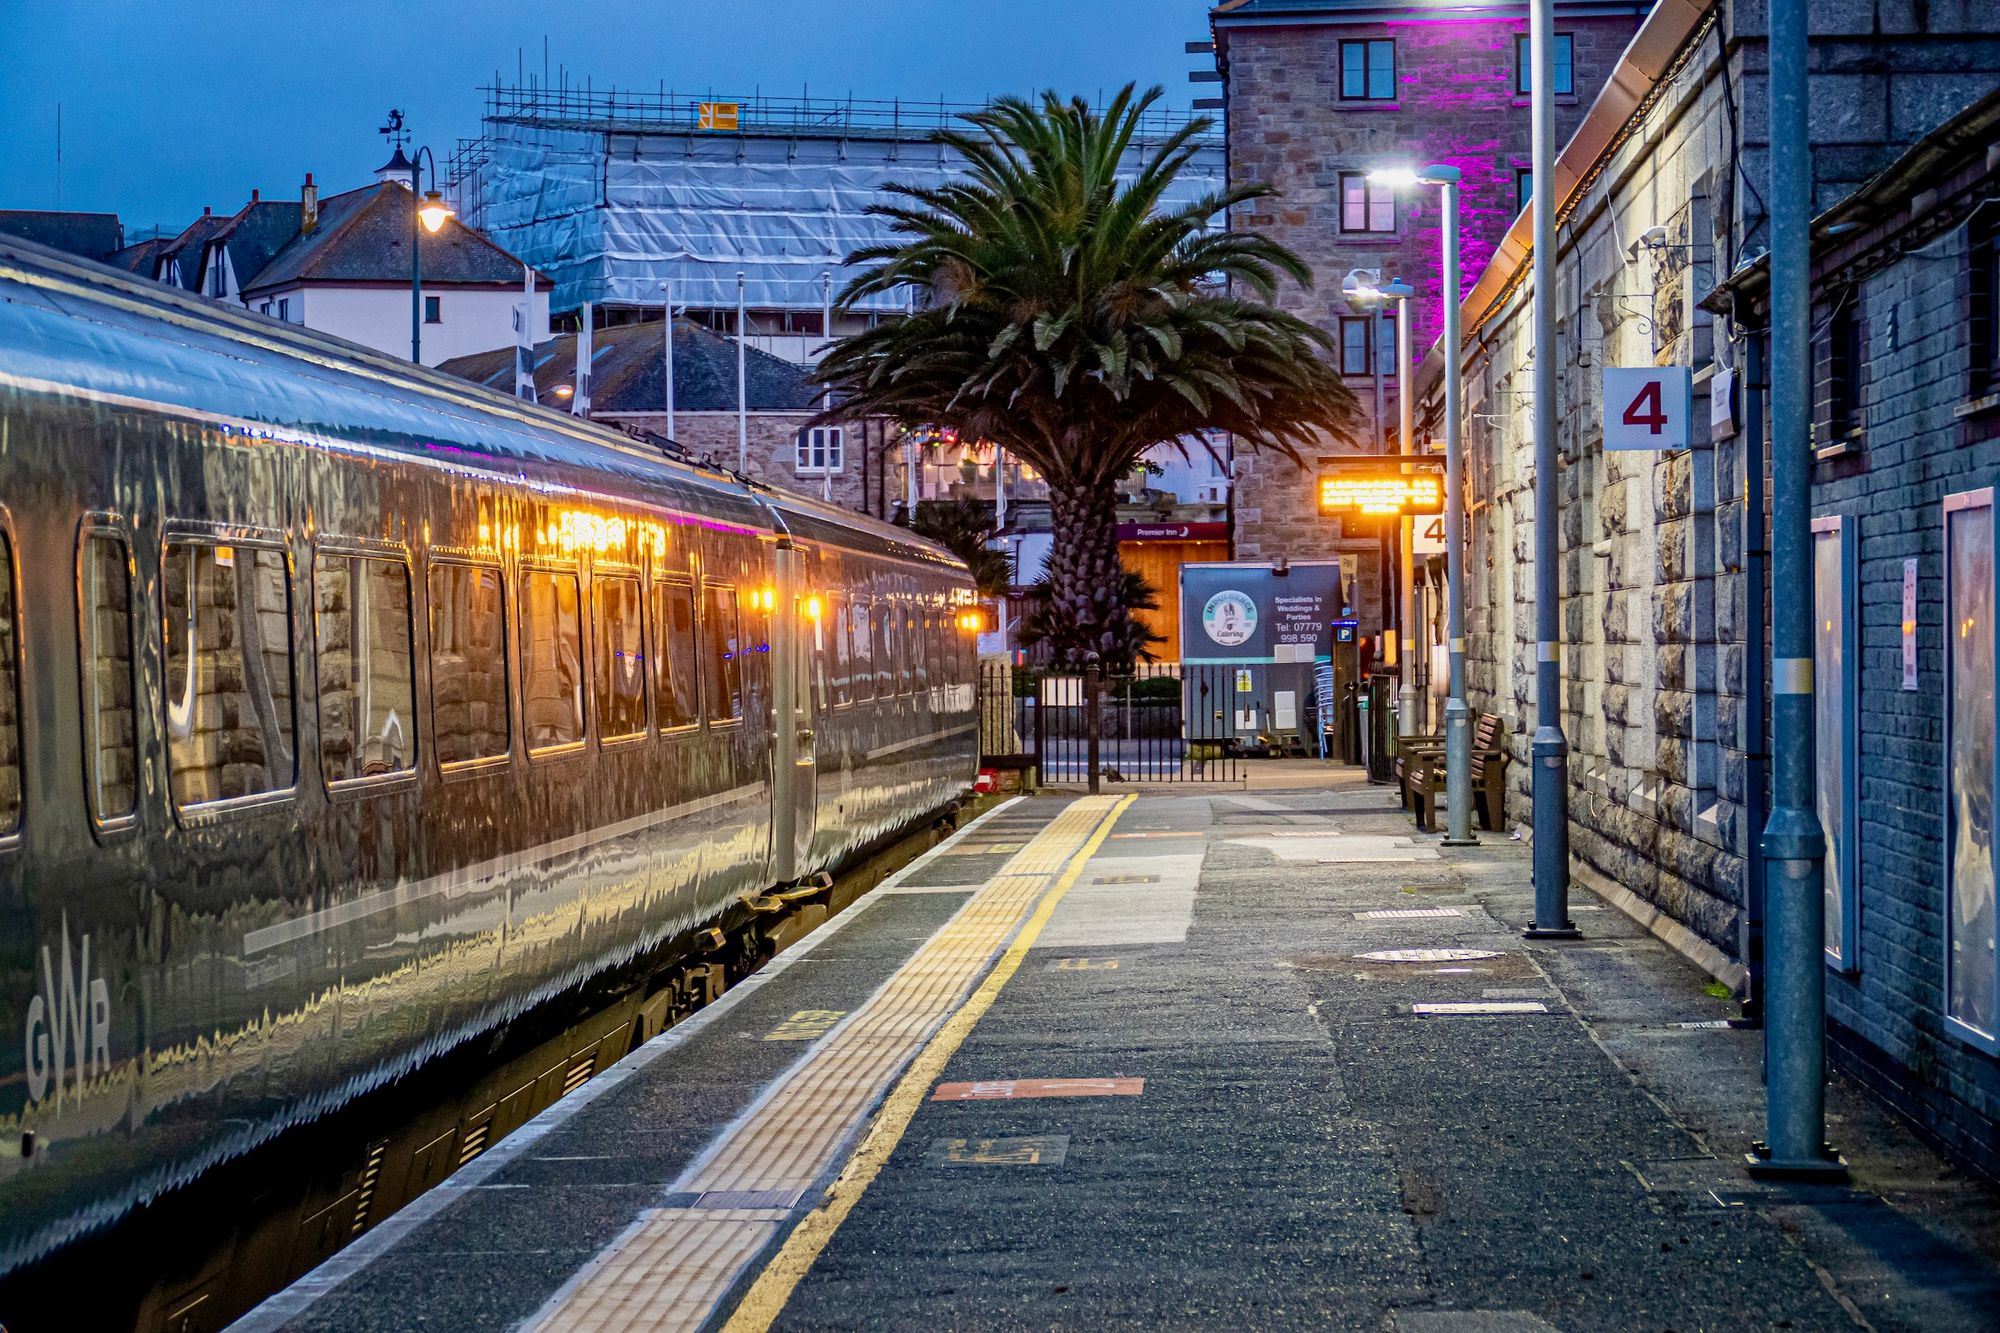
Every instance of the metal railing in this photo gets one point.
(1166, 722)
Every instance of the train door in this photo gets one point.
(794, 766)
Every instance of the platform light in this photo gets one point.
(814, 608)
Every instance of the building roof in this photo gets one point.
(256, 234)
(186, 250)
(364, 236)
(138, 259)
(629, 372)
(91, 235)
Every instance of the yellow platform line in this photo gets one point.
(768, 1295)
(668, 1269)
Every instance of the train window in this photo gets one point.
(468, 664)
(551, 660)
(228, 618)
(10, 695)
(721, 660)
(815, 621)
(675, 698)
(109, 721)
(367, 681)
(920, 645)
(887, 649)
(864, 653)
(843, 651)
(621, 660)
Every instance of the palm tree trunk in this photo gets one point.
(1086, 576)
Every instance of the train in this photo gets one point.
(350, 711)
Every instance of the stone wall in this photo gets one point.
(1289, 128)
(1655, 636)
(773, 458)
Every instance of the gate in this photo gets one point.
(1166, 722)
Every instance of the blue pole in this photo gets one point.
(1549, 750)
(1793, 844)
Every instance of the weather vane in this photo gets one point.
(397, 135)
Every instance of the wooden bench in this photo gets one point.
(1420, 772)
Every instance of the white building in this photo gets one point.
(347, 272)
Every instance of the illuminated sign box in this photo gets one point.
(1380, 493)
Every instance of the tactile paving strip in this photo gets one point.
(667, 1270)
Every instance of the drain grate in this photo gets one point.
(1469, 1008)
(1428, 955)
(1126, 879)
(1406, 913)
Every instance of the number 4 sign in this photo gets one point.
(1646, 408)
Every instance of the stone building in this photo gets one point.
(1317, 93)
(856, 464)
(1661, 224)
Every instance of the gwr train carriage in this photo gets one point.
(348, 711)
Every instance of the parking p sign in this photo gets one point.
(1647, 407)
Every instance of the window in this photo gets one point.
(367, 685)
(887, 649)
(864, 653)
(228, 631)
(1524, 189)
(676, 694)
(1354, 330)
(721, 657)
(285, 308)
(1836, 658)
(1972, 989)
(1368, 70)
(433, 310)
(1844, 366)
(621, 657)
(820, 449)
(1563, 57)
(1983, 257)
(265, 308)
(920, 643)
(1365, 206)
(469, 702)
(551, 660)
(10, 694)
(110, 757)
(843, 653)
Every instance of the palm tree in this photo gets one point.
(1070, 317)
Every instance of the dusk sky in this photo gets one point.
(172, 105)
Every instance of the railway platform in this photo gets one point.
(1256, 1059)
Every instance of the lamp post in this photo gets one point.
(1365, 286)
(430, 213)
(1794, 844)
(1457, 718)
(1549, 751)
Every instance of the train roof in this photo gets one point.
(70, 327)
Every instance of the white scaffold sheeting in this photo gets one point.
(611, 216)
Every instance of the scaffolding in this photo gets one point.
(612, 194)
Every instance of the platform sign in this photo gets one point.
(1380, 494)
(716, 115)
(1647, 407)
(1427, 536)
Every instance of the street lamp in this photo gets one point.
(1457, 718)
(430, 215)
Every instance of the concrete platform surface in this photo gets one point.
(1195, 1060)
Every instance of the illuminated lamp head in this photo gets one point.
(433, 211)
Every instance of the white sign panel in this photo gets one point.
(1722, 402)
(1647, 408)
(1427, 535)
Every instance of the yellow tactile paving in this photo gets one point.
(668, 1269)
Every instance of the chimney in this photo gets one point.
(253, 196)
(308, 206)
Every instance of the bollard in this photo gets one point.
(1093, 681)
